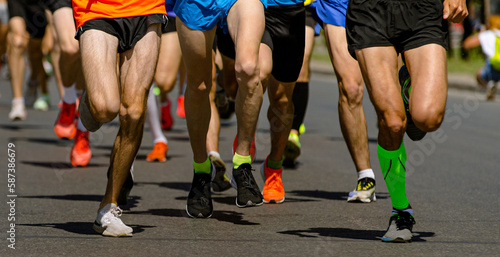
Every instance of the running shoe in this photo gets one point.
(199, 202)
(364, 192)
(108, 222)
(491, 90)
(166, 117)
(159, 153)
(413, 132)
(302, 129)
(181, 113)
(65, 126)
(31, 93)
(253, 150)
(225, 106)
(400, 227)
(273, 192)
(42, 103)
(126, 188)
(248, 193)
(292, 151)
(80, 153)
(84, 113)
(220, 182)
(18, 112)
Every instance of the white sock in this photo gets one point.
(214, 153)
(69, 95)
(80, 126)
(18, 100)
(368, 173)
(153, 119)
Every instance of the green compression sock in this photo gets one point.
(238, 160)
(392, 164)
(275, 165)
(204, 167)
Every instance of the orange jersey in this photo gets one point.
(85, 10)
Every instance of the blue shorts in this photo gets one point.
(202, 14)
(331, 11)
(488, 73)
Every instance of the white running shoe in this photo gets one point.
(108, 222)
(18, 112)
(42, 103)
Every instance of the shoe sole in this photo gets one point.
(274, 201)
(220, 171)
(200, 216)
(397, 240)
(100, 230)
(363, 199)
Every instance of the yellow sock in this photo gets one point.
(239, 160)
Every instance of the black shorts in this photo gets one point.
(33, 13)
(128, 30)
(404, 24)
(170, 26)
(225, 43)
(54, 5)
(310, 19)
(285, 25)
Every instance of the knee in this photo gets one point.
(165, 81)
(17, 43)
(393, 121)
(132, 113)
(429, 119)
(70, 48)
(351, 93)
(247, 70)
(104, 111)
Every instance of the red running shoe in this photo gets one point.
(180, 107)
(80, 153)
(166, 117)
(65, 126)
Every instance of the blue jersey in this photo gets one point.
(283, 2)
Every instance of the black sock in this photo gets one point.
(300, 98)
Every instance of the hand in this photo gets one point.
(455, 10)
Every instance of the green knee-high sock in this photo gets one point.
(392, 164)
(204, 167)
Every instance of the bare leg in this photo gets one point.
(351, 114)
(18, 39)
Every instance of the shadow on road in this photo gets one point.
(342, 196)
(81, 228)
(351, 233)
(226, 216)
(132, 200)
(59, 165)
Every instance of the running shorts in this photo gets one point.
(33, 14)
(332, 11)
(128, 30)
(403, 24)
(170, 26)
(54, 5)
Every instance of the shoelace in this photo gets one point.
(273, 181)
(116, 212)
(404, 221)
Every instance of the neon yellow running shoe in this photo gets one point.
(292, 151)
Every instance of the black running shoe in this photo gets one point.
(413, 132)
(248, 191)
(199, 202)
(400, 228)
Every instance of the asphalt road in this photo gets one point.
(452, 182)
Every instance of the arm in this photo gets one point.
(471, 42)
(455, 10)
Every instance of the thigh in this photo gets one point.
(170, 54)
(346, 67)
(379, 67)
(64, 25)
(427, 67)
(246, 24)
(196, 52)
(137, 67)
(98, 51)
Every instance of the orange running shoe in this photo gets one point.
(166, 117)
(252, 147)
(80, 153)
(180, 107)
(273, 192)
(65, 126)
(159, 153)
